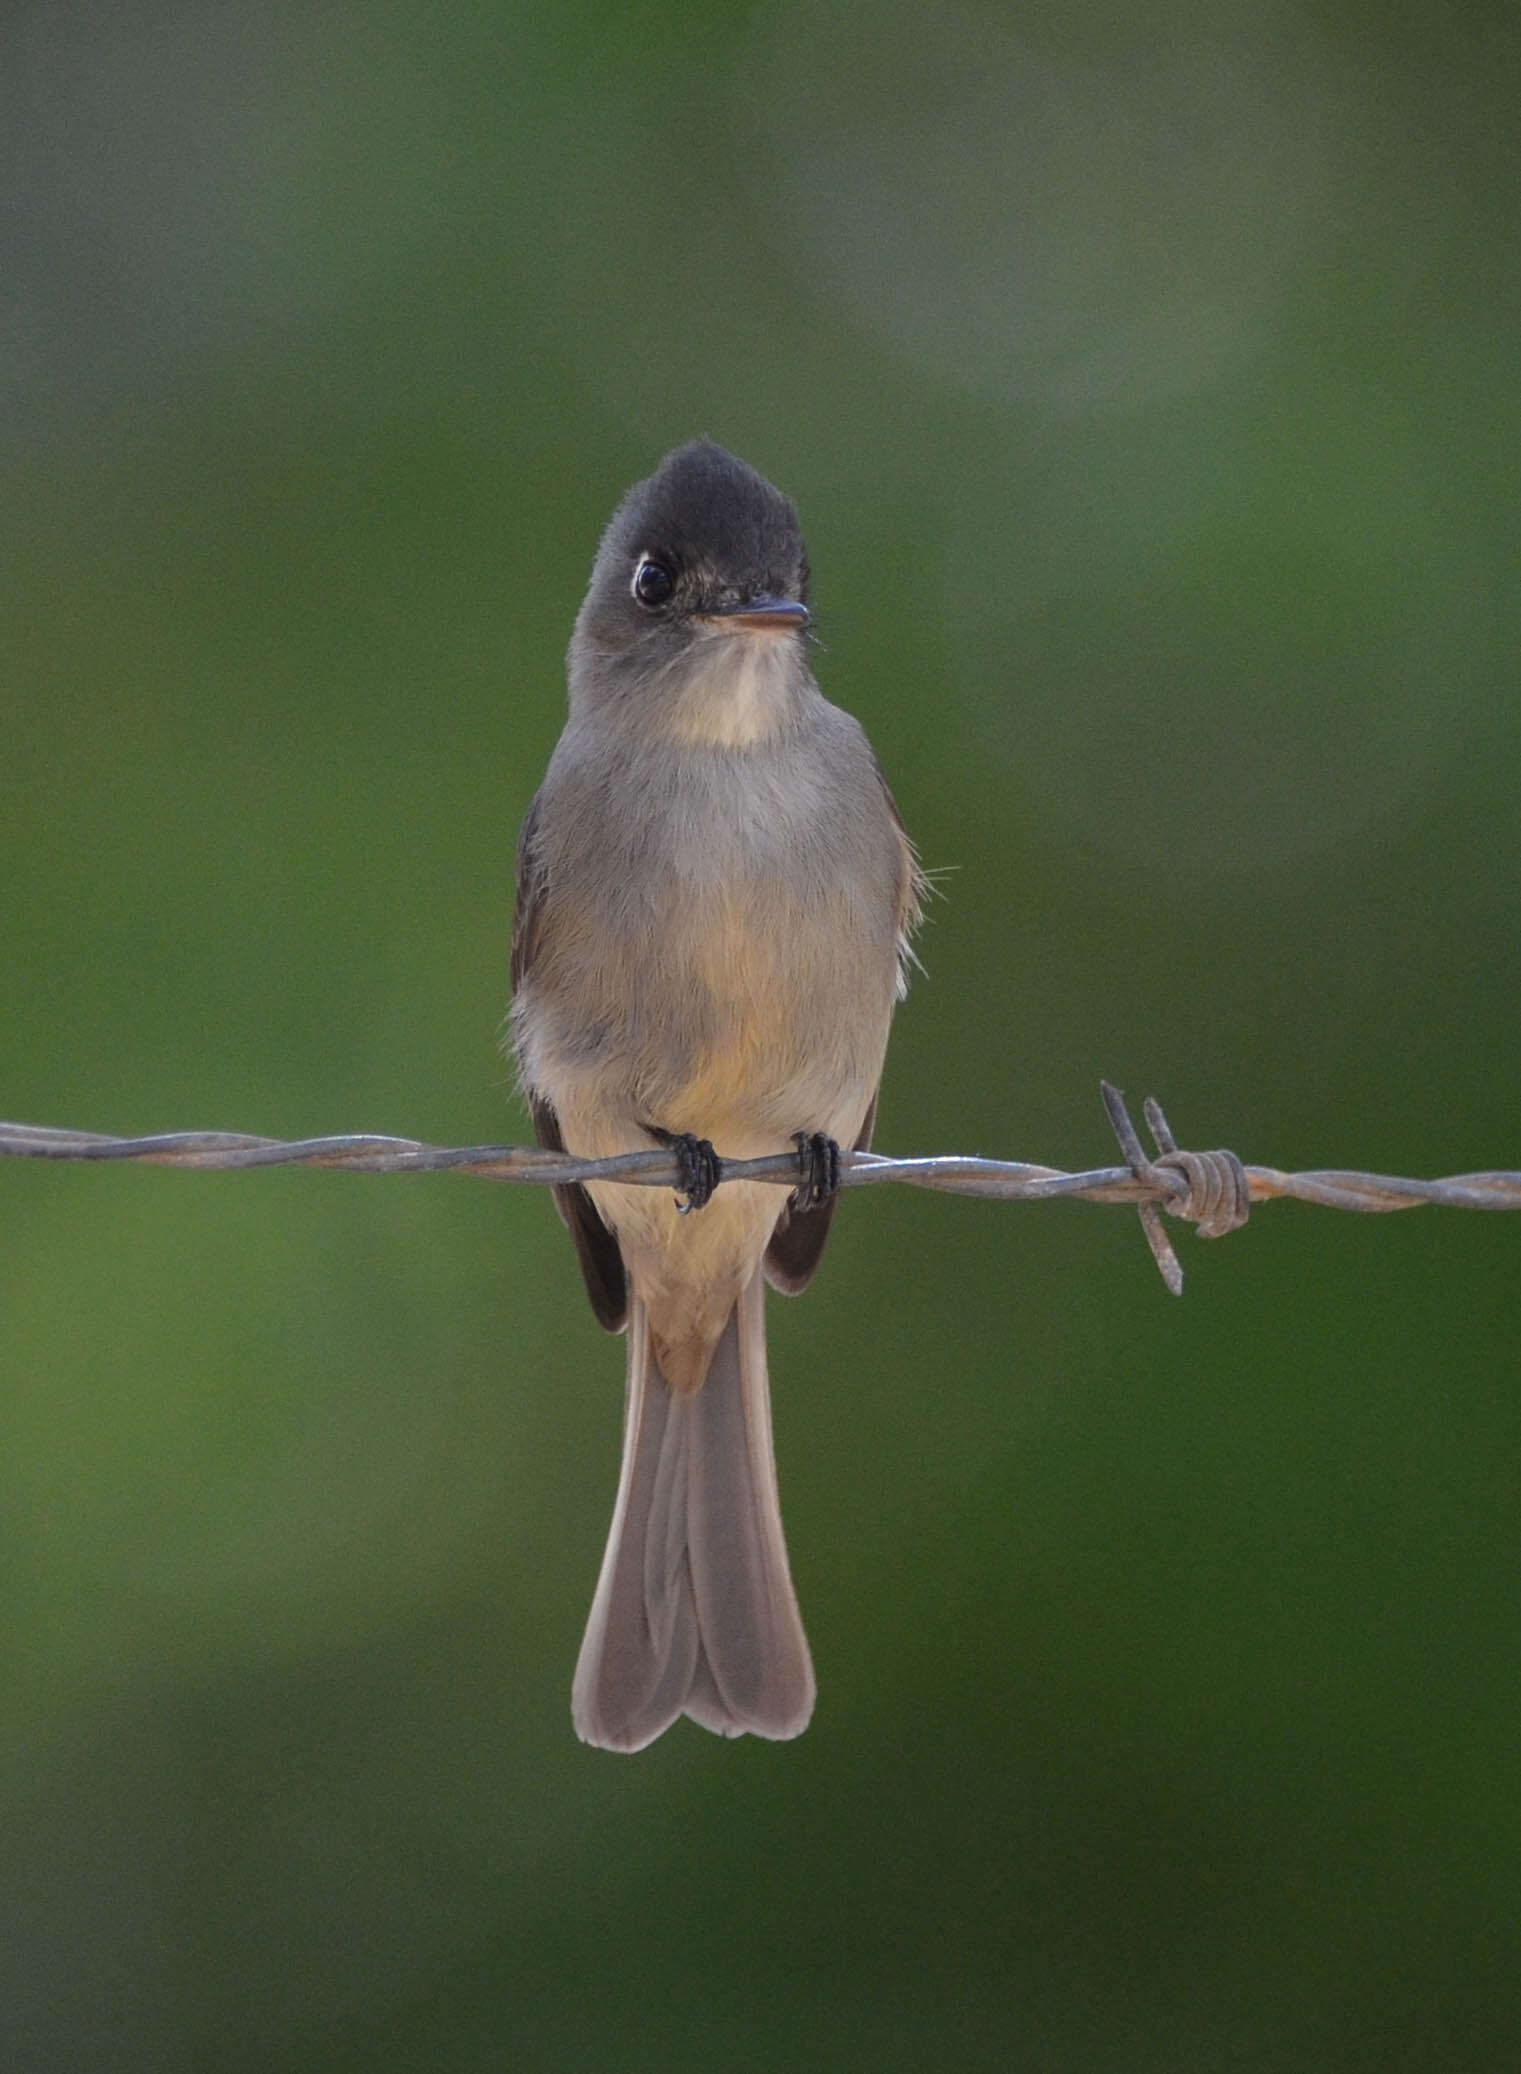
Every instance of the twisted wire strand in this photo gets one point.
(1003, 1180)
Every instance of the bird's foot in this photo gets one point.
(818, 1165)
(698, 1167)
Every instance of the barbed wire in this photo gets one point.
(1211, 1190)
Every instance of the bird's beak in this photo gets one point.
(765, 615)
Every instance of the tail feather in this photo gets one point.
(695, 1611)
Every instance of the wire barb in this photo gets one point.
(1209, 1190)
(1168, 1264)
(1219, 1197)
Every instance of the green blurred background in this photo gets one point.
(1149, 389)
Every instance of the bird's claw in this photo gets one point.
(698, 1168)
(818, 1162)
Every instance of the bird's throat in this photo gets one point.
(738, 688)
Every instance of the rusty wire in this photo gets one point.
(1213, 1190)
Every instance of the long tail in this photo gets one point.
(695, 1611)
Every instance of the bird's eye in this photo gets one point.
(653, 582)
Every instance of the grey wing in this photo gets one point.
(798, 1240)
(596, 1248)
(913, 888)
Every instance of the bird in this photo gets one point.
(715, 901)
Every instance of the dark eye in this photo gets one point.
(653, 582)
